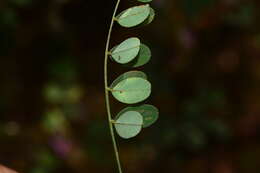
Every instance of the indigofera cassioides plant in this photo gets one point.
(131, 87)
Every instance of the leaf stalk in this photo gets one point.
(110, 120)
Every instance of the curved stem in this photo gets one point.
(107, 91)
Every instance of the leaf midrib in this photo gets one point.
(124, 50)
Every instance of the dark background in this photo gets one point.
(205, 73)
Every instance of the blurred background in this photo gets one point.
(205, 72)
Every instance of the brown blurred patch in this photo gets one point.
(6, 170)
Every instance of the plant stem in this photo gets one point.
(107, 91)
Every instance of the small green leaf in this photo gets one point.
(145, 1)
(128, 75)
(132, 90)
(126, 51)
(142, 58)
(133, 16)
(150, 17)
(149, 112)
(129, 124)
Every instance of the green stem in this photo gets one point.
(106, 86)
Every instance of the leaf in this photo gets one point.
(128, 75)
(149, 112)
(142, 58)
(150, 17)
(126, 51)
(145, 1)
(129, 124)
(133, 16)
(132, 90)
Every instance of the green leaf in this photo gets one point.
(126, 51)
(145, 1)
(150, 17)
(133, 16)
(149, 112)
(132, 90)
(129, 124)
(128, 75)
(142, 58)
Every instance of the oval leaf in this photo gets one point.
(142, 58)
(149, 112)
(126, 51)
(128, 75)
(132, 90)
(129, 124)
(133, 16)
(150, 17)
